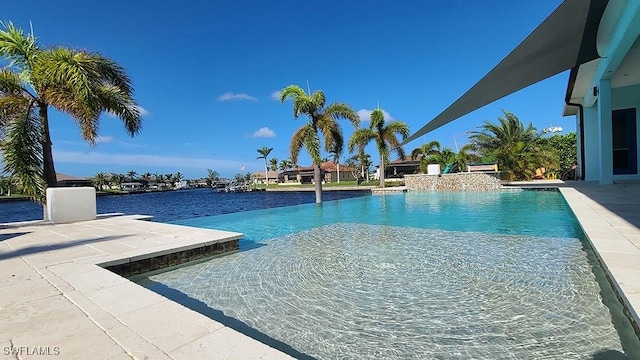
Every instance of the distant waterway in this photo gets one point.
(183, 204)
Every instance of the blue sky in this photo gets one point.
(205, 72)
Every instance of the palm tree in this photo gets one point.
(517, 149)
(118, 179)
(336, 160)
(321, 119)
(168, 179)
(99, 180)
(444, 157)
(80, 83)
(365, 160)
(424, 152)
(21, 147)
(6, 184)
(131, 175)
(385, 138)
(285, 164)
(212, 177)
(159, 178)
(178, 177)
(264, 152)
(273, 164)
(464, 157)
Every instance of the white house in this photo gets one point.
(604, 96)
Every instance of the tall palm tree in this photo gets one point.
(517, 149)
(273, 164)
(321, 119)
(336, 160)
(424, 152)
(80, 83)
(264, 153)
(385, 138)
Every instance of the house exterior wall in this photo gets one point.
(345, 175)
(621, 98)
(628, 97)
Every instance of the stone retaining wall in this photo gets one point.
(453, 182)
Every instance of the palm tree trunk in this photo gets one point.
(266, 173)
(382, 168)
(47, 155)
(318, 183)
(338, 171)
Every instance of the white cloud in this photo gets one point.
(104, 139)
(365, 115)
(143, 111)
(233, 96)
(100, 158)
(276, 95)
(264, 132)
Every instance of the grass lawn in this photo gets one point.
(13, 197)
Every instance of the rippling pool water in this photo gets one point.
(417, 275)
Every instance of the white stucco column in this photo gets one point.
(604, 127)
(591, 144)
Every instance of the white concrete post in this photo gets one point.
(69, 204)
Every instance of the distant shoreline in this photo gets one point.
(279, 189)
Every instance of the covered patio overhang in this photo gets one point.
(564, 40)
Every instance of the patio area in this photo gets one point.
(55, 302)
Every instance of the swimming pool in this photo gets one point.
(417, 275)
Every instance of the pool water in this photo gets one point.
(416, 275)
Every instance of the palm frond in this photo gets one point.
(9, 82)
(116, 101)
(332, 133)
(264, 152)
(297, 141)
(398, 127)
(19, 48)
(318, 99)
(360, 138)
(377, 119)
(22, 153)
(312, 143)
(84, 85)
(339, 111)
(12, 107)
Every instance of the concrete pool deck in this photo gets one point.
(55, 299)
(610, 218)
(56, 302)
